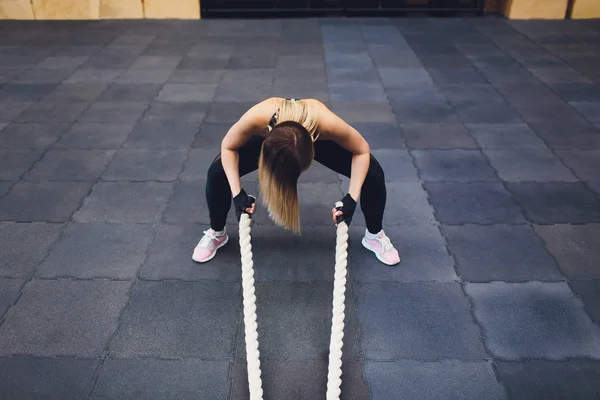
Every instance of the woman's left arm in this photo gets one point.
(336, 129)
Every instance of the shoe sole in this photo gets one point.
(366, 246)
(214, 253)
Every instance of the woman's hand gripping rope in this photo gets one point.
(334, 377)
(243, 203)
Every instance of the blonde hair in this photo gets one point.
(286, 152)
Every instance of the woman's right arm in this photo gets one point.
(251, 123)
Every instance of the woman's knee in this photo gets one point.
(375, 174)
(216, 172)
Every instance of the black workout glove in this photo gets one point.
(348, 207)
(241, 202)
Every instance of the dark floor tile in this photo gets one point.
(304, 309)
(162, 134)
(380, 135)
(437, 136)
(179, 319)
(533, 320)
(407, 204)
(242, 91)
(63, 318)
(574, 91)
(414, 92)
(170, 255)
(15, 163)
(399, 77)
(379, 112)
(484, 93)
(287, 380)
(141, 202)
(160, 379)
(130, 92)
(585, 164)
(589, 109)
(48, 111)
(500, 252)
(412, 379)
(203, 63)
(63, 62)
(189, 112)
(61, 199)
(352, 60)
(397, 165)
(568, 134)
(97, 135)
(505, 136)
(24, 245)
(97, 250)
(115, 111)
(274, 249)
(144, 76)
(197, 164)
(437, 111)
(146, 165)
(316, 201)
(23, 377)
(424, 334)
(422, 250)
(558, 75)
(70, 165)
(156, 62)
(5, 187)
(46, 76)
(367, 76)
(317, 172)
(81, 91)
(187, 92)
(357, 92)
(88, 74)
(595, 187)
(9, 292)
(188, 204)
(27, 92)
(475, 203)
(210, 135)
(556, 202)
(206, 76)
(486, 112)
(576, 248)
(589, 293)
(464, 75)
(538, 165)
(538, 379)
(13, 109)
(31, 136)
(453, 165)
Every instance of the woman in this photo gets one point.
(280, 137)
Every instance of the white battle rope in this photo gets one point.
(250, 326)
(334, 380)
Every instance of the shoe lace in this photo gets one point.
(207, 239)
(386, 243)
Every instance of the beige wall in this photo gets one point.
(99, 9)
(535, 9)
(585, 9)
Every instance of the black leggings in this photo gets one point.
(328, 153)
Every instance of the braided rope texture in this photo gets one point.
(334, 380)
(250, 325)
